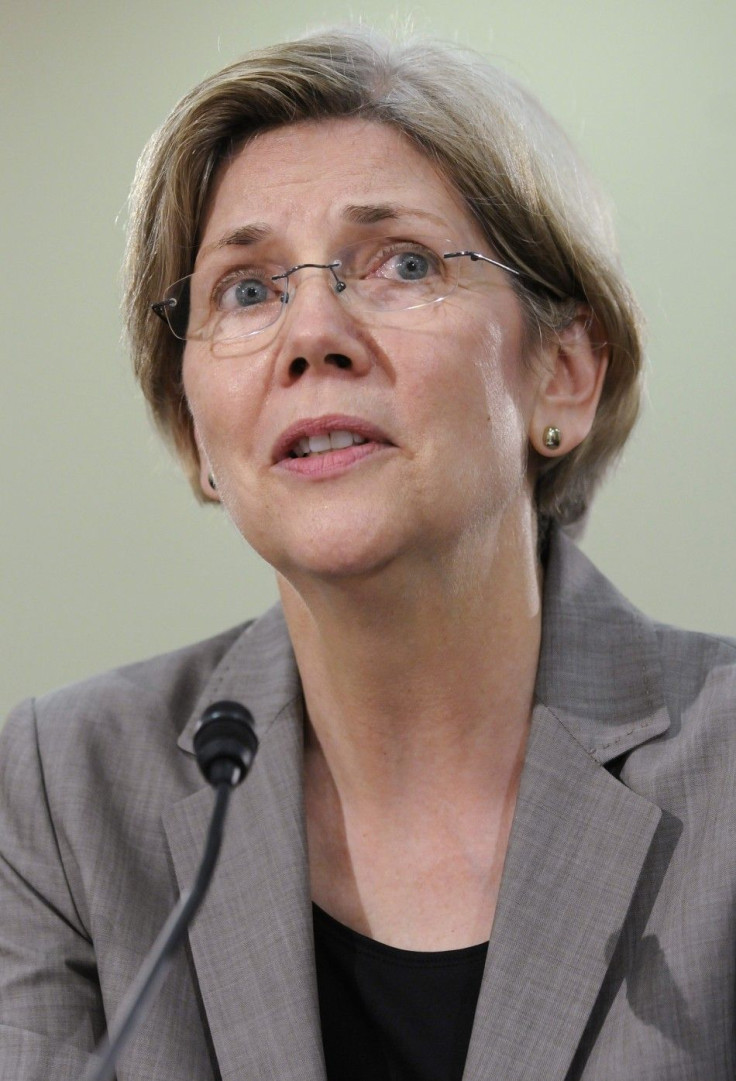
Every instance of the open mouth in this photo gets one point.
(318, 446)
(309, 445)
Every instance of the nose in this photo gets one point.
(319, 333)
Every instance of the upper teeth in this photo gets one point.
(318, 444)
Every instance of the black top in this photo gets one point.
(393, 1015)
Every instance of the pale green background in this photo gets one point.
(106, 557)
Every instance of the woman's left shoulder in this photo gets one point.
(699, 672)
(692, 763)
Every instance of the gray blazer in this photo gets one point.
(613, 952)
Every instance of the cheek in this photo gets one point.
(496, 373)
(222, 397)
(500, 411)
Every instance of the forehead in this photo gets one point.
(327, 176)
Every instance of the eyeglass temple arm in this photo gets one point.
(476, 255)
(160, 307)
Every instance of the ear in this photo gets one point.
(207, 481)
(569, 390)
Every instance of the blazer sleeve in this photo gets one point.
(51, 1013)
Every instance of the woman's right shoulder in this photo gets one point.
(163, 689)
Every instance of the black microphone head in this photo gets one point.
(225, 743)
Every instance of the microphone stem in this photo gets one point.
(154, 969)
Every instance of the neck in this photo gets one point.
(415, 673)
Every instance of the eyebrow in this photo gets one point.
(244, 235)
(372, 213)
(356, 213)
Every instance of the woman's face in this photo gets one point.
(439, 397)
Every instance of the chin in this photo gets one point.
(338, 565)
(329, 540)
(341, 556)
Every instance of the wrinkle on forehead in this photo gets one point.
(323, 173)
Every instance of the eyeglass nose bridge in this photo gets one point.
(340, 285)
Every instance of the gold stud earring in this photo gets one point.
(552, 437)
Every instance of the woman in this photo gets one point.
(488, 832)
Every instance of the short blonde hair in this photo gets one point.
(511, 163)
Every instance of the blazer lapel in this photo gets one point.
(251, 942)
(577, 846)
(580, 837)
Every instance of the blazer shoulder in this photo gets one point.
(699, 687)
(694, 661)
(164, 686)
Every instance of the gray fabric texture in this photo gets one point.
(613, 951)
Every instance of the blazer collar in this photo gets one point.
(577, 847)
(258, 670)
(599, 668)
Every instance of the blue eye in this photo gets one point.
(250, 291)
(411, 266)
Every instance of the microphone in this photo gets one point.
(225, 745)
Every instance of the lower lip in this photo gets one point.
(332, 462)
